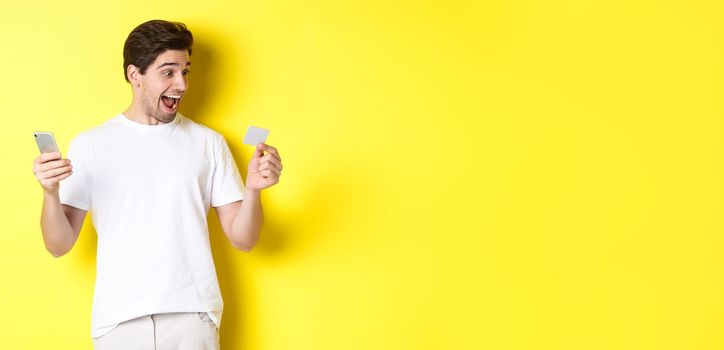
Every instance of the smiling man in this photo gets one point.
(149, 176)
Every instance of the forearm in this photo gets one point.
(57, 232)
(248, 221)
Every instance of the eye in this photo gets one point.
(186, 72)
(167, 73)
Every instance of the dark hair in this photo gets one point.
(151, 39)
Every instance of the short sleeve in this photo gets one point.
(227, 185)
(75, 189)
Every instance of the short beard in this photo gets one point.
(156, 113)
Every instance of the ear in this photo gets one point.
(134, 75)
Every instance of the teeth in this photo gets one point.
(175, 98)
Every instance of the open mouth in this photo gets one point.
(171, 102)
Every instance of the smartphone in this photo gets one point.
(46, 142)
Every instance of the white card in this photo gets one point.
(255, 136)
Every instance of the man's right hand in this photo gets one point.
(50, 168)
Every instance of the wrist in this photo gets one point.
(51, 194)
(250, 192)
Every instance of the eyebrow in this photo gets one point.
(172, 64)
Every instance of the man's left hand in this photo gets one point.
(265, 167)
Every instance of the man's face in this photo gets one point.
(164, 84)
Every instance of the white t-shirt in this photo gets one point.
(149, 189)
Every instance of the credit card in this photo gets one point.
(255, 136)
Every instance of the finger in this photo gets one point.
(42, 167)
(271, 180)
(271, 150)
(270, 158)
(271, 162)
(55, 172)
(258, 152)
(54, 180)
(268, 173)
(52, 165)
(61, 177)
(49, 156)
(270, 167)
(46, 157)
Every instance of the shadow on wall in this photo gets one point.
(88, 242)
(202, 89)
(286, 237)
(207, 75)
(200, 82)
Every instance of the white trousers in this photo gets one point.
(177, 331)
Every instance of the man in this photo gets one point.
(148, 177)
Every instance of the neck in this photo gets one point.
(136, 113)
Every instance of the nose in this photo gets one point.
(180, 83)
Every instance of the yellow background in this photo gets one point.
(458, 174)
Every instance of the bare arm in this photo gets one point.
(242, 220)
(61, 224)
